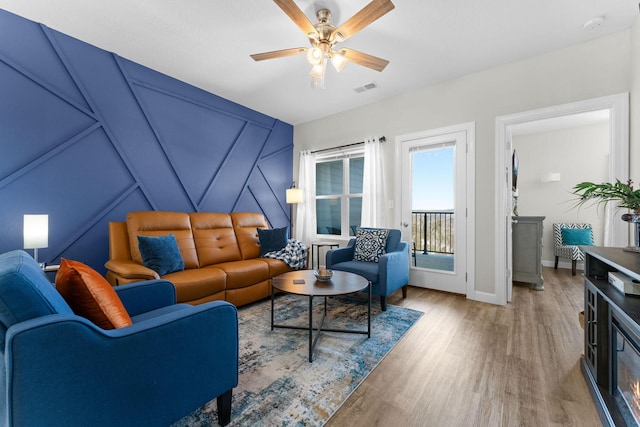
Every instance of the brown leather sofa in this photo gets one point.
(221, 254)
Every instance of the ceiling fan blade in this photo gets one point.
(297, 16)
(368, 14)
(278, 53)
(364, 59)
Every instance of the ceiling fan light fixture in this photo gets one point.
(317, 71)
(338, 60)
(317, 83)
(323, 36)
(317, 75)
(337, 37)
(315, 55)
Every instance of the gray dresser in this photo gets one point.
(527, 250)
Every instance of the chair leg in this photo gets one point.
(224, 408)
(555, 265)
(383, 303)
(404, 291)
(573, 267)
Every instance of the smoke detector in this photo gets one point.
(593, 24)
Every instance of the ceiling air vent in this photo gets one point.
(368, 86)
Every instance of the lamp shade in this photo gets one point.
(338, 60)
(36, 231)
(294, 195)
(314, 56)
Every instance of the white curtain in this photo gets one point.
(373, 198)
(305, 227)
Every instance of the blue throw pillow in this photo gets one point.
(272, 240)
(370, 244)
(161, 253)
(576, 236)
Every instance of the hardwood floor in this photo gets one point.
(467, 363)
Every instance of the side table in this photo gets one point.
(51, 269)
(315, 248)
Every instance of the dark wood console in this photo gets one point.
(604, 307)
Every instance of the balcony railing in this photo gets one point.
(432, 231)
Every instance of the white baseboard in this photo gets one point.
(483, 297)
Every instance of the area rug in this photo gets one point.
(278, 386)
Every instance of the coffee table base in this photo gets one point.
(314, 340)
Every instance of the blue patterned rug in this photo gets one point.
(277, 384)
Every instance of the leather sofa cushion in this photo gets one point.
(193, 284)
(244, 273)
(245, 224)
(157, 223)
(249, 294)
(214, 238)
(276, 266)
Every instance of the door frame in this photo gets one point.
(618, 106)
(470, 130)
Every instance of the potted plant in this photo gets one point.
(622, 193)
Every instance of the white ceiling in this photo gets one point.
(207, 42)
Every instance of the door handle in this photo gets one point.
(405, 225)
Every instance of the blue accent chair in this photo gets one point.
(386, 276)
(59, 369)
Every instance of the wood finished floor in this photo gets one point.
(467, 363)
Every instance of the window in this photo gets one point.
(339, 194)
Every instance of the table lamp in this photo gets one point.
(293, 197)
(36, 233)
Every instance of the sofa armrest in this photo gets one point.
(63, 369)
(141, 297)
(394, 268)
(338, 255)
(131, 270)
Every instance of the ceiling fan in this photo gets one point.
(324, 37)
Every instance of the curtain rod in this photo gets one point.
(381, 139)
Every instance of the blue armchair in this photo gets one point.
(59, 369)
(387, 275)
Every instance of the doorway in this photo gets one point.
(618, 107)
(436, 206)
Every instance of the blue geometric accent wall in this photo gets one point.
(87, 136)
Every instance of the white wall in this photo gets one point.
(578, 154)
(634, 105)
(589, 70)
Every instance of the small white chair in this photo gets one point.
(570, 251)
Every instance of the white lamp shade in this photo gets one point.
(317, 71)
(315, 56)
(294, 195)
(338, 61)
(36, 231)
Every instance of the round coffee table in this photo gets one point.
(303, 282)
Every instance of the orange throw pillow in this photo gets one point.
(90, 295)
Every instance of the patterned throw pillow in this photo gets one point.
(370, 244)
